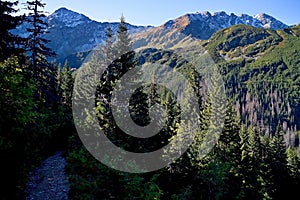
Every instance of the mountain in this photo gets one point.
(260, 69)
(71, 33)
(200, 26)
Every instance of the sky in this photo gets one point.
(157, 12)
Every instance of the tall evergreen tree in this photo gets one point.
(118, 58)
(278, 164)
(123, 45)
(59, 80)
(293, 160)
(109, 52)
(228, 147)
(251, 167)
(109, 49)
(9, 21)
(227, 154)
(37, 29)
(66, 84)
(39, 53)
(124, 52)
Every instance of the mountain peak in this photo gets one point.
(269, 21)
(220, 13)
(63, 9)
(201, 25)
(68, 17)
(204, 13)
(264, 18)
(222, 20)
(262, 15)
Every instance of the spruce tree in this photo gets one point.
(66, 84)
(227, 152)
(278, 164)
(9, 21)
(118, 59)
(123, 45)
(36, 44)
(43, 72)
(59, 81)
(228, 145)
(109, 52)
(251, 169)
(293, 165)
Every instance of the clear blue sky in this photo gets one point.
(156, 12)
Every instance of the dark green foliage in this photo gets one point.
(8, 21)
(33, 122)
(123, 44)
(66, 84)
(255, 157)
(263, 82)
(247, 162)
(16, 103)
(43, 73)
(36, 44)
(293, 164)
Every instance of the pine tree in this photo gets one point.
(43, 72)
(103, 92)
(109, 49)
(109, 52)
(66, 84)
(123, 45)
(116, 65)
(36, 44)
(8, 21)
(59, 81)
(124, 53)
(293, 160)
(251, 167)
(227, 152)
(212, 116)
(228, 145)
(293, 164)
(279, 164)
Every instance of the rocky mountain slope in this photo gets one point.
(71, 32)
(73, 35)
(200, 26)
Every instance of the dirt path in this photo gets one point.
(49, 181)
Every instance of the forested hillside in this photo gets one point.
(252, 135)
(256, 154)
(261, 70)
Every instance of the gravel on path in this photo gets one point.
(49, 180)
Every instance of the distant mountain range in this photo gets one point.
(201, 26)
(72, 34)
